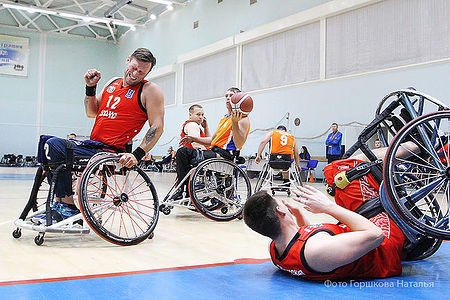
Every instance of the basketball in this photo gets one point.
(241, 102)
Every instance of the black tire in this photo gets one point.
(108, 191)
(39, 240)
(417, 184)
(424, 250)
(17, 233)
(216, 184)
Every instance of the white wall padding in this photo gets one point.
(284, 58)
(167, 84)
(209, 77)
(387, 34)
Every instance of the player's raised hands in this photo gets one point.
(314, 200)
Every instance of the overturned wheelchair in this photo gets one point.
(119, 204)
(415, 172)
(218, 189)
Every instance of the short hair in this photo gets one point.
(234, 90)
(282, 127)
(191, 109)
(143, 54)
(260, 214)
(334, 123)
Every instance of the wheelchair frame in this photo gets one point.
(410, 110)
(190, 203)
(77, 224)
(266, 181)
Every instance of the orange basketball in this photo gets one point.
(241, 102)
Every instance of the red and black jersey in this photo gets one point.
(121, 114)
(183, 134)
(358, 191)
(384, 261)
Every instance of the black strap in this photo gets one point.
(69, 155)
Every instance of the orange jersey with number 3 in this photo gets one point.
(120, 116)
(282, 142)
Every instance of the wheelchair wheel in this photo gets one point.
(416, 173)
(219, 189)
(262, 177)
(119, 204)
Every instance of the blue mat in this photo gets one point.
(426, 279)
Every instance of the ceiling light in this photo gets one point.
(161, 1)
(169, 7)
(153, 16)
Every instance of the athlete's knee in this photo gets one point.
(55, 149)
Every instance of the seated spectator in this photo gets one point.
(72, 136)
(304, 154)
(165, 160)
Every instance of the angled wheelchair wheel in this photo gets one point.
(417, 172)
(119, 204)
(219, 189)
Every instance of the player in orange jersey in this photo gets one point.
(229, 138)
(280, 142)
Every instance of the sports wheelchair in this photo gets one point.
(415, 172)
(278, 162)
(119, 204)
(218, 189)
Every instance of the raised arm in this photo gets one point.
(239, 127)
(324, 252)
(91, 101)
(262, 145)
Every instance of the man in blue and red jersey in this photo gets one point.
(120, 111)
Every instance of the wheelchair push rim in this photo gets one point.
(416, 174)
(219, 188)
(120, 204)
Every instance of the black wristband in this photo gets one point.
(139, 153)
(90, 90)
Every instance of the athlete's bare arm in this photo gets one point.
(206, 127)
(153, 100)
(296, 210)
(239, 127)
(192, 129)
(200, 140)
(262, 145)
(325, 253)
(92, 103)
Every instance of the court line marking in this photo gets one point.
(239, 261)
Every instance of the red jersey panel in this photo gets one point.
(358, 191)
(183, 134)
(120, 116)
(282, 142)
(384, 261)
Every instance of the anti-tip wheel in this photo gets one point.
(17, 233)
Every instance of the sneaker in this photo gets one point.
(41, 219)
(65, 211)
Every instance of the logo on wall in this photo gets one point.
(129, 94)
(111, 89)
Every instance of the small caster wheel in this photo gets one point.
(273, 193)
(240, 217)
(151, 235)
(39, 239)
(161, 207)
(166, 211)
(224, 210)
(289, 193)
(17, 233)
